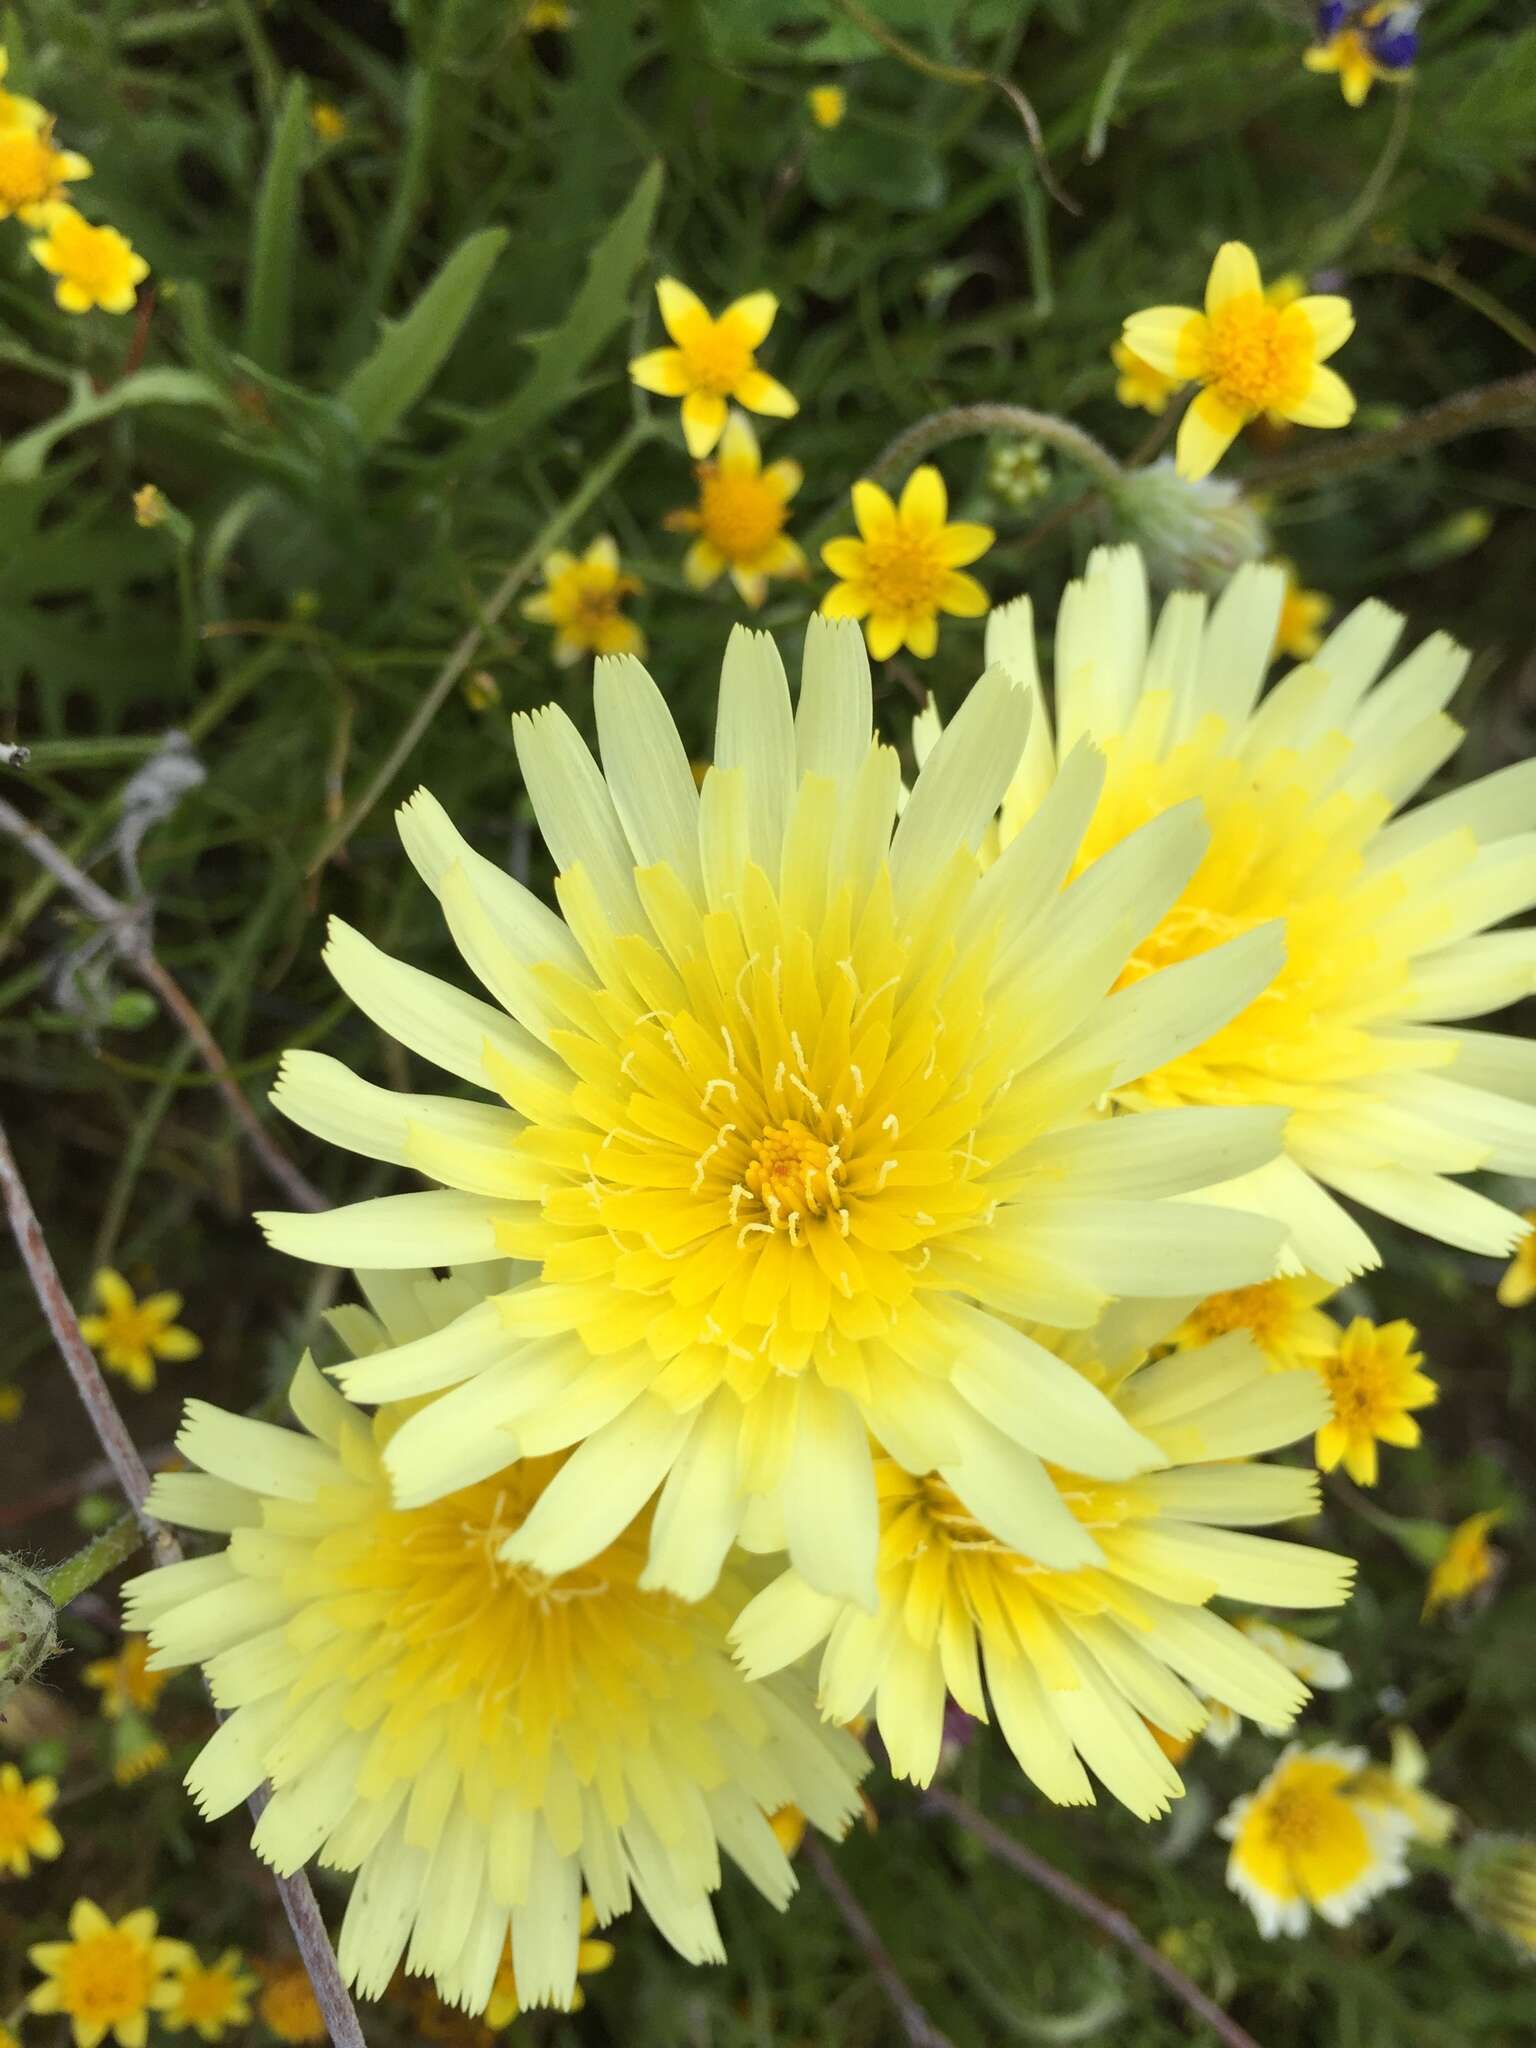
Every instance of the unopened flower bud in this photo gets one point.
(1192, 534)
(1018, 471)
(27, 1633)
(1495, 1885)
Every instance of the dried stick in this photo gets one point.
(1108, 1919)
(125, 926)
(915, 2023)
(310, 1937)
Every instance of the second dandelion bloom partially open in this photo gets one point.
(1248, 355)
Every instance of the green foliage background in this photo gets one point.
(372, 373)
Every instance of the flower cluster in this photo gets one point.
(1364, 45)
(93, 265)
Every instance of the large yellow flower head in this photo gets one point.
(477, 1739)
(1248, 354)
(1386, 910)
(1113, 1625)
(797, 1109)
(713, 358)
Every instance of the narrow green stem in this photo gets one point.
(104, 1553)
(1507, 403)
(553, 530)
(961, 421)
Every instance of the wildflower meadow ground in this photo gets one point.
(768, 825)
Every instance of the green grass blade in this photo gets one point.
(268, 333)
(387, 383)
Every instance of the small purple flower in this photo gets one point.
(1331, 16)
(1393, 41)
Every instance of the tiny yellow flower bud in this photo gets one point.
(149, 505)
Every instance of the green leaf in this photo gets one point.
(603, 303)
(268, 331)
(386, 384)
(24, 459)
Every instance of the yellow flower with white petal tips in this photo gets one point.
(25, 1829)
(583, 599)
(1299, 632)
(1470, 1563)
(15, 110)
(95, 266)
(592, 1957)
(1374, 1385)
(107, 1978)
(1518, 1286)
(828, 104)
(1248, 355)
(905, 566)
(713, 359)
(1087, 1605)
(1302, 1843)
(739, 518)
(210, 1998)
(794, 1116)
(1399, 1785)
(33, 173)
(474, 1737)
(1138, 384)
(130, 1335)
(1282, 1317)
(1388, 910)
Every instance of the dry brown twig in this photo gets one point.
(310, 1937)
(127, 930)
(915, 2023)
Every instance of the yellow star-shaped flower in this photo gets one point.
(739, 517)
(712, 360)
(130, 1334)
(904, 566)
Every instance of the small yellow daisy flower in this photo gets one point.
(1282, 1317)
(1400, 1786)
(582, 599)
(828, 104)
(1138, 383)
(1302, 612)
(106, 1978)
(15, 111)
(904, 568)
(25, 1829)
(130, 1335)
(33, 173)
(287, 2006)
(1302, 1843)
(740, 516)
(713, 359)
(94, 266)
(125, 1682)
(1518, 1285)
(209, 1997)
(328, 121)
(592, 1956)
(1374, 1387)
(1249, 356)
(1469, 1564)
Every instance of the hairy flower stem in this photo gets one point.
(915, 2023)
(962, 421)
(1108, 1919)
(1507, 403)
(104, 1553)
(554, 530)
